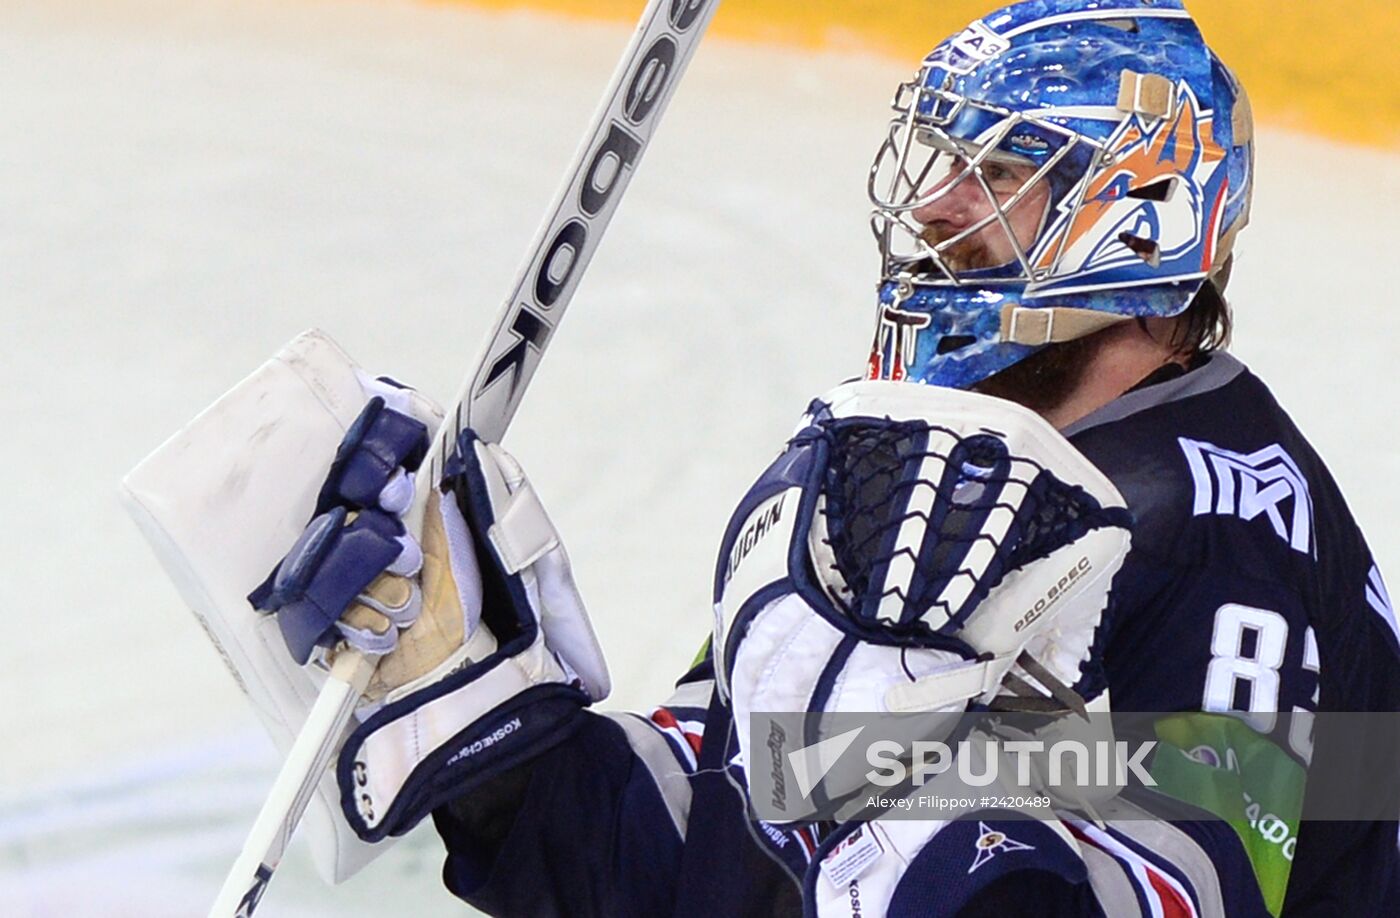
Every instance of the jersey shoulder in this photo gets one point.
(1212, 467)
(1232, 505)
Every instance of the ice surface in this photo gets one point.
(186, 185)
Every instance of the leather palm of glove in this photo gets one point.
(487, 652)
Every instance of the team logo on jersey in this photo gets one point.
(993, 842)
(1379, 598)
(1265, 483)
(896, 338)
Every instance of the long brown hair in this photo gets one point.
(1206, 324)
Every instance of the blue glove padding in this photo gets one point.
(329, 567)
(355, 536)
(379, 448)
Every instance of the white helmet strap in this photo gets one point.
(1034, 327)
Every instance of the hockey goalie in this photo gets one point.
(1056, 203)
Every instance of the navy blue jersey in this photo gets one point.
(1248, 588)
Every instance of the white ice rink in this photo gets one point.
(186, 184)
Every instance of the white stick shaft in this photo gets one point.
(641, 87)
(294, 787)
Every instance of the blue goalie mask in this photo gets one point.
(1056, 167)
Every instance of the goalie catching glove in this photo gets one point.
(916, 549)
(487, 652)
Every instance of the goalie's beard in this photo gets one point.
(1045, 380)
(968, 255)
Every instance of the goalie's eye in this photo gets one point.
(998, 174)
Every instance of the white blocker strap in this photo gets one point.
(522, 532)
(568, 631)
(527, 545)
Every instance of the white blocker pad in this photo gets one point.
(223, 500)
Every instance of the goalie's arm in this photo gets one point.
(594, 827)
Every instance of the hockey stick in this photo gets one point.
(646, 77)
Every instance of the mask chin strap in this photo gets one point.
(1036, 327)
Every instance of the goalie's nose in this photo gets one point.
(951, 205)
